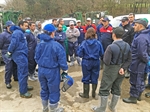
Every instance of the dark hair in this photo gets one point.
(90, 34)
(58, 25)
(60, 20)
(30, 23)
(22, 22)
(47, 32)
(131, 14)
(54, 19)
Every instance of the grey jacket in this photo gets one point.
(72, 34)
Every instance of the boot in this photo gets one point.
(29, 88)
(147, 95)
(103, 104)
(45, 105)
(85, 93)
(78, 61)
(127, 74)
(72, 61)
(94, 86)
(26, 95)
(147, 86)
(112, 104)
(130, 100)
(55, 108)
(139, 98)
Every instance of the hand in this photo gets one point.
(121, 71)
(64, 73)
(8, 55)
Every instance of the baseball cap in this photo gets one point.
(141, 21)
(124, 19)
(78, 21)
(105, 19)
(118, 31)
(71, 23)
(49, 28)
(9, 23)
(88, 19)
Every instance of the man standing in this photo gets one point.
(64, 28)
(140, 49)
(18, 50)
(10, 65)
(131, 19)
(89, 24)
(54, 22)
(31, 43)
(72, 34)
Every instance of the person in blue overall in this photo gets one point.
(18, 51)
(90, 51)
(50, 57)
(60, 36)
(31, 43)
(10, 65)
(140, 49)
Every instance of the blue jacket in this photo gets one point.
(18, 45)
(60, 36)
(82, 34)
(98, 31)
(140, 49)
(50, 54)
(90, 49)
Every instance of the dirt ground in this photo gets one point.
(11, 102)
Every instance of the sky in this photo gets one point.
(2, 1)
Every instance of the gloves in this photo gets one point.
(8, 55)
(148, 63)
(64, 73)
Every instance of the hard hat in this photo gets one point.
(68, 82)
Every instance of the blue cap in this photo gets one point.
(49, 28)
(9, 23)
(105, 19)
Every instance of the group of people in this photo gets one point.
(124, 49)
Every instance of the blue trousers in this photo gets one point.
(50, 84)
(90, 70)
(137, 84)
(72, 48)
(149, 78)
(10, 69)
(22, 70)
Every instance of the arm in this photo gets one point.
(76, 33)
(37, 53)
(101, 53)
(107, 56)
(80, 50)
(69, 34)
(1, 41)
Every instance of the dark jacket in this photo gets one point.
(82, 34)
(118, 55)
(129, 33)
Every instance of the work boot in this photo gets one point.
(45, 105)
(94, 86)
(147, 95)
(71, 61)
(127, 74)
(26, 95)
(29, 88)
(32, 77)
(78, 61)
(112, 104)
(103, 105)
(147, 86)
(55, 108)
(139, 98)
(85, 93)
(130, 100)
(9, 86)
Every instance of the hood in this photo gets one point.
(145, 31)
(45, 37)
(13, 28)
(91, 41)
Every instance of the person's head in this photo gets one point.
(23, 25)
(59, 26)
(54, 22)
(61, 21)
(117, 33)
(124, 21)
(50, 30)
(131, 17)
(140, 24)
(90, 34)
(100, 20)
(32, 26)
(28, 19)
(8, 25)
(105, 21)
(71, 25)
(38, 24)
(88, 21)
(78, 23)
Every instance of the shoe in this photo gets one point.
(32, 78)
(26, 95)
(127, 74)
(130, 100)
(9, 86)
(30, 88)
(147, 86)
(71, 64)
(147, 95)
